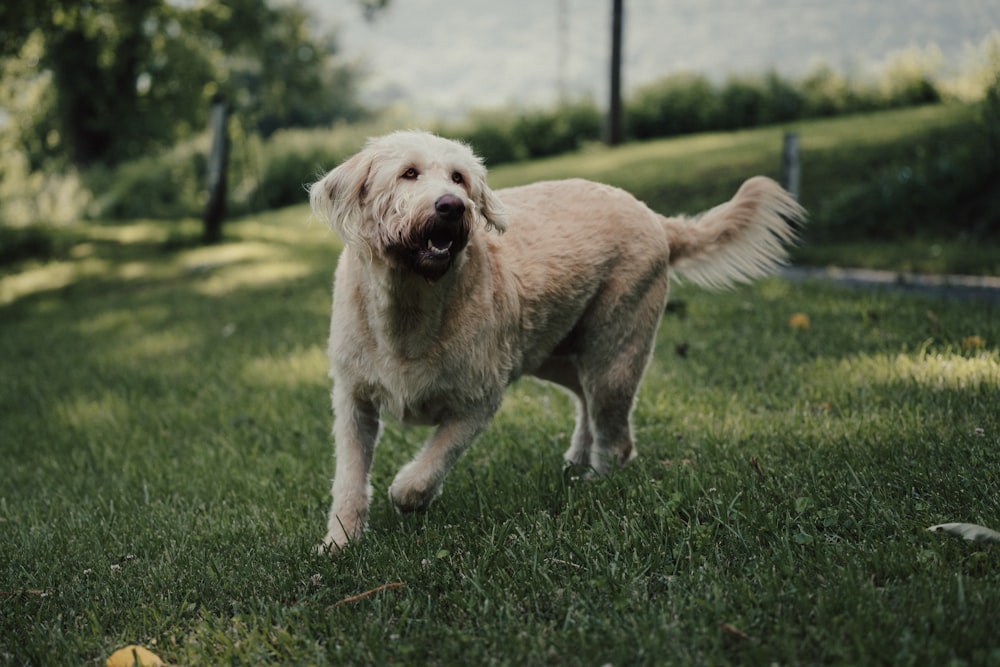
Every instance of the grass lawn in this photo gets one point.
(164, 422)
(693, 173)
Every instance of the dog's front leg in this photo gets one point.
(419, 482)
(355, 432)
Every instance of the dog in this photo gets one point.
(446, 292)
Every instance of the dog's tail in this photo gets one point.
(738, 241)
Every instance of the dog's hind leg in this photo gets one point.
(420, 481)
(563, 372)
(356, 431)
(616, 350)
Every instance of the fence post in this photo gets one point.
(218, 160)
(791, 166)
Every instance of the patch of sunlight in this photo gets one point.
(304, 366)
(51, 276)
(134, 270)
(111, 320)
(226, 253)
(93, 411)
(944, 370)
(225, 280)
(157, 344)
(141, 231)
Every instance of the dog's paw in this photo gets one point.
(336, 542)
(575, 472)
(339, 536)
(407, 500)
(410, 492)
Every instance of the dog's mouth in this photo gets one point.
(432, 253)
(439, 244)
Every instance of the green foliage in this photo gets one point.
(678, 104)
(166, 460)
(130, 79)
(510, 137)
(168, 185)
(943, 186)
(684, 174)
(292, 159)
(688, 103)
(560, 131)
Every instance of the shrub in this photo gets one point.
(490, 134)
(168, 185)
(742, 103)
(545, 133)
(945, 187)
(292, 159)
(677, 104)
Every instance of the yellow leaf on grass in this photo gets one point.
(799, 321)
(973, 343)
(132, 655)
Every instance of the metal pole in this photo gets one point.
(615, 124)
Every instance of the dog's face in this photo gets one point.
(412, 199)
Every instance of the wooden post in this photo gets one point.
(218, 161)
(615, 123)
(791, 167)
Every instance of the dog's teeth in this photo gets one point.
(435, 248)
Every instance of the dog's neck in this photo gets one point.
(406, 311)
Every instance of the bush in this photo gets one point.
(545, 133)
(677, 104)
(169, 185)
(945, 187)
(490, 133)
(262, 174)
(292, 159)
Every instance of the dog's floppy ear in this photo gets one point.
(337, 198)
(492, 210)
(490, 207)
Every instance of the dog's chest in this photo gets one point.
(422, 391)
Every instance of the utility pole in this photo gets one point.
(615, 124)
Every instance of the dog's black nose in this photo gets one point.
(449, 206)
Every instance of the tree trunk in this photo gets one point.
(218, 161)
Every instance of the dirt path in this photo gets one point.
(966, 288)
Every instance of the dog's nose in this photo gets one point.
(449, 206)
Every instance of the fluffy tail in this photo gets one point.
(738, 241)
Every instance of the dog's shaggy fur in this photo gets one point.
(446, 292)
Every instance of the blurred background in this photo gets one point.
(105, 105)
(444, 58)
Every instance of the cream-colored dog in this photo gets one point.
(446, 292)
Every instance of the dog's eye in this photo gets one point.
(457, 178)
(410, 174)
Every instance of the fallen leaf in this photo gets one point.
(969, 531)
(970, 343)
(733, 631)
(132, 655)
(799, 321)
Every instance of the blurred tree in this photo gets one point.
(128, 77)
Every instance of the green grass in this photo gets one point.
(164, 422)
(692, 173)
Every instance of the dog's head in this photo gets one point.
(412, 199)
